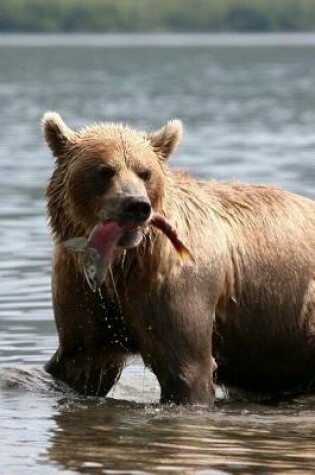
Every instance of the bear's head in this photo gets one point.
(106, 172)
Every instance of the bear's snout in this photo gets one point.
(135, 209)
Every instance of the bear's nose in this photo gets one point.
(136, 209)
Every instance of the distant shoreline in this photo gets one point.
(143, 40)
(181, 16)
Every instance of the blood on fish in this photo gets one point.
(105, 236)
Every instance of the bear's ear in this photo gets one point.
(165, 140)
(57, 134)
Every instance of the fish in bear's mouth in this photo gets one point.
(98, 249)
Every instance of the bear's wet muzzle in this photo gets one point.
(135, 209)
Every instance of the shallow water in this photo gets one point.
(249, 115)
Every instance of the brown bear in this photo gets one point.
(247, 302)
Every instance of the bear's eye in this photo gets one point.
(105, 173)
(145, 175)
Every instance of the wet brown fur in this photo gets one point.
(249, 300)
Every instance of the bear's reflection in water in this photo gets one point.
(124, 437)
(118, 436)
(98, 435)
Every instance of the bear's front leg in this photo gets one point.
(179, 345)
(91, 375)
(190, 383)
(92, 345)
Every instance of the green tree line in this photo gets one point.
(156, 15)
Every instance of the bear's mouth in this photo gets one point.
(109, 235)
(132, 238)
(106, 236)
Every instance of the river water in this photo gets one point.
(248, 105)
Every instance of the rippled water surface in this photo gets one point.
(248, 105)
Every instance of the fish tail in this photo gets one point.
(185, 254)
